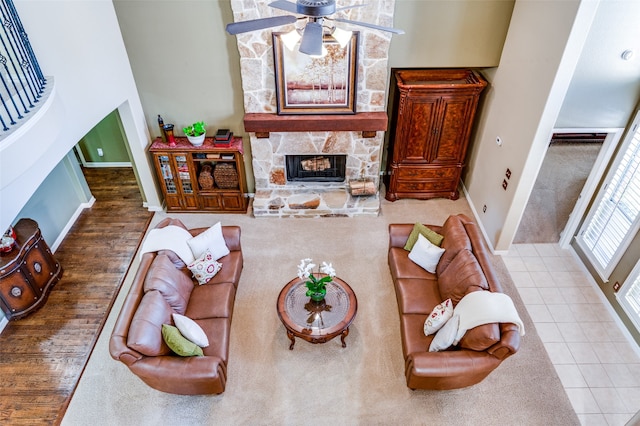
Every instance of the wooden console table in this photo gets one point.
(27, 273)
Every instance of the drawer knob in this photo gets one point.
(16, 292)
(37, 267)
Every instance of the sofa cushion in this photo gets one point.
(481, 337)
(172, 283)
(211, 301)
(402, 267)
(190, 330)
(231, 269)
(205, 267)
(420, 229)
(178, 343)
(417, 296)
(455, 239)
(211, 239)
(463, 276)
(145, 331)
(426, 254)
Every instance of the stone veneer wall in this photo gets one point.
(274, 196)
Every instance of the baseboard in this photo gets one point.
(70, 223)
(107, 164)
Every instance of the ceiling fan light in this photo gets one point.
(290, 39)
(342, 36)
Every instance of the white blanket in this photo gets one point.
(170, 237)
(485, 307)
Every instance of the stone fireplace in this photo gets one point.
(358, 138)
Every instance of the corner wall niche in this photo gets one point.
(359, 136)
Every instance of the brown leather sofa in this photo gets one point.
(161, 288)
(482, 348)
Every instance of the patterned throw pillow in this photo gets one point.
(205, 267)
(438, 317)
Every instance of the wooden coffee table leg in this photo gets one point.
(345, 333)
(292, 338)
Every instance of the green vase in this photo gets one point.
(319, 295)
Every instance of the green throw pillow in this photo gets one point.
(178, 343)
(430, 235)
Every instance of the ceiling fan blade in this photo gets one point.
(375, 27)
(260, 24)
(311, 43)
(284, 5)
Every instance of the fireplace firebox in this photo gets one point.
(316, 168)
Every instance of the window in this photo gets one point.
(629, 296)
(615, 217)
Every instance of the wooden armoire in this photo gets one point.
(432, 114)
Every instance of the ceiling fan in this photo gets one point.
(315, 12)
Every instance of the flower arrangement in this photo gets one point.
(316, 287)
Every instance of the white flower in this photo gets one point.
(305, 268)
(328, 269)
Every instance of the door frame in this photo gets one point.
(614, 134)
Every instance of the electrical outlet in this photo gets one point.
(616, 286)
(484, 208)
(100, 152)
(508, 174)
(499, 141)
(504, 184)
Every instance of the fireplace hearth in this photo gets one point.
(316, 168)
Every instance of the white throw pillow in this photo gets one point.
(426, 254)
(438, 317)
(211, 239)
(445, 336)
(190, 330)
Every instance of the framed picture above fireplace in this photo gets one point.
(316, 85)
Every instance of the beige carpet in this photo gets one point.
(324, 384)
(562, 176)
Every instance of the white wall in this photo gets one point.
(528, 87)
(78, 43)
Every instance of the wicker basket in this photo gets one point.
(205, 179)
(226, 176)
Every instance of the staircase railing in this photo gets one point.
(21, 80)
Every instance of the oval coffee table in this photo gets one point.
(317, 322)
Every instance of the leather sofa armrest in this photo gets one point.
(232, 237)
(399, 233)
(121, 352)
(509, 341)
(449, 363)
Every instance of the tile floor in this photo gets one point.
(597, 364)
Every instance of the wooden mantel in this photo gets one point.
(366, 122)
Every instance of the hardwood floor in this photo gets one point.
(42, 356)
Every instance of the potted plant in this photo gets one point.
(316, 287)
(195, 133)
